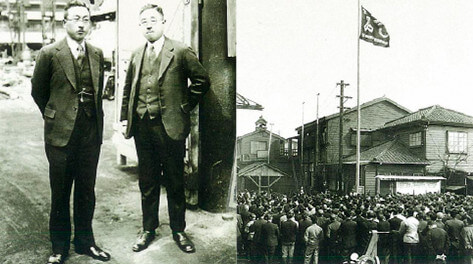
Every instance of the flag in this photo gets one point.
(372, 30)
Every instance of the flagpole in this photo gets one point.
(358, 123)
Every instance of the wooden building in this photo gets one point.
(320, 166)
(442, 136)
(266, 161)
(389, 167)
(400, 151)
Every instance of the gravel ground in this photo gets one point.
(25, 199)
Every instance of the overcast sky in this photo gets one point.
(290, 50)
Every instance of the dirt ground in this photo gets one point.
(25, 199)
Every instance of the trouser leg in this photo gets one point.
(84, 193)
(173, 167)
(149, 170)
(60, 180)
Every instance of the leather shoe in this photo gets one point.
(184, 242)
(93, 251)
(144, 240)
(56, 259)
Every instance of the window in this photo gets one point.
(457, 142)
(365, 140)
(284, 148)
(257, 146)
(295, 147)
(415, 139)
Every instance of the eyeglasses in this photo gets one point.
(84, 20)
(151, 22)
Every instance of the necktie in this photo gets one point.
(81, 55)
(152, 53)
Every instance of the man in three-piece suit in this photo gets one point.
(67, 87)
(156, 106)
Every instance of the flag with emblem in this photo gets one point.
(372, 30)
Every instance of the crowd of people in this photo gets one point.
(328, 228)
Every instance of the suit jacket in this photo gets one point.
(289, 230)
(384, 239)
(453, 228)
(270, 234)
(178, 65)
(437, 241)
(348, 234)
(54, 90)
(303, 225)
(257, 229)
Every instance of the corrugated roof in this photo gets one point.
(391, 152)
(436, 114)
(255, 166)
(259, 131)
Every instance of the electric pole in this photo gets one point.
(270, 140)
(343, 99)
(302, 148)
(316, 152)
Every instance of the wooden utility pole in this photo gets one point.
(343, 98)
(217, 112)
(302, 148)
(316, 152)
(270, 140)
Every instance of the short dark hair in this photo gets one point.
(152, 6)
(74, 3)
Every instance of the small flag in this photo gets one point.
(372, 30)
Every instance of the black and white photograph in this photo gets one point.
(354, 131)
(118, 131)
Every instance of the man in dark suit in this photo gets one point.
(396, 238)
(156, 106)
(258, 243)
(67, 87)
(453, 228)
(304, 223)
(437, 242)
(288, 232)
(333, 239)
(384, 247)
(269, 236)
(348, 235)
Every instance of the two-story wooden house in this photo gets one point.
(321, 161)
(264, 160)
(412, 153)
(441, 136)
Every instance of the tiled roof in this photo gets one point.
(391, 152)
(364, 105)
(436, 114)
